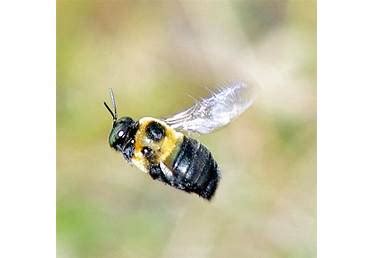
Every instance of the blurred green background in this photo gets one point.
(156, 55)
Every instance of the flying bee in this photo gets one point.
(161, 148)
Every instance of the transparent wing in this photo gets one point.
(215, 111)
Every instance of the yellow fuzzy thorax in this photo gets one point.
(165, 149)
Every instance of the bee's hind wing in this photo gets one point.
(215, 111)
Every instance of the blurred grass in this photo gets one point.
(155, 54)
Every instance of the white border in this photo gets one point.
(345, 129)
(27, 137)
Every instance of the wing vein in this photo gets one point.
(216, 110)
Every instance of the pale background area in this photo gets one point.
(155, 55)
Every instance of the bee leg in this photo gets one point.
(128, 152)
(156, 173)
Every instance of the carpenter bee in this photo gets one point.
(160, 148)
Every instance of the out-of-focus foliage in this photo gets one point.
(155, 54)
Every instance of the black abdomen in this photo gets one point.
(195, 170)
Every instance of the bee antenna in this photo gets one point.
(114, 114)
(111, 112)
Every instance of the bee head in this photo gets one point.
(123, 129)
(122, 133)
